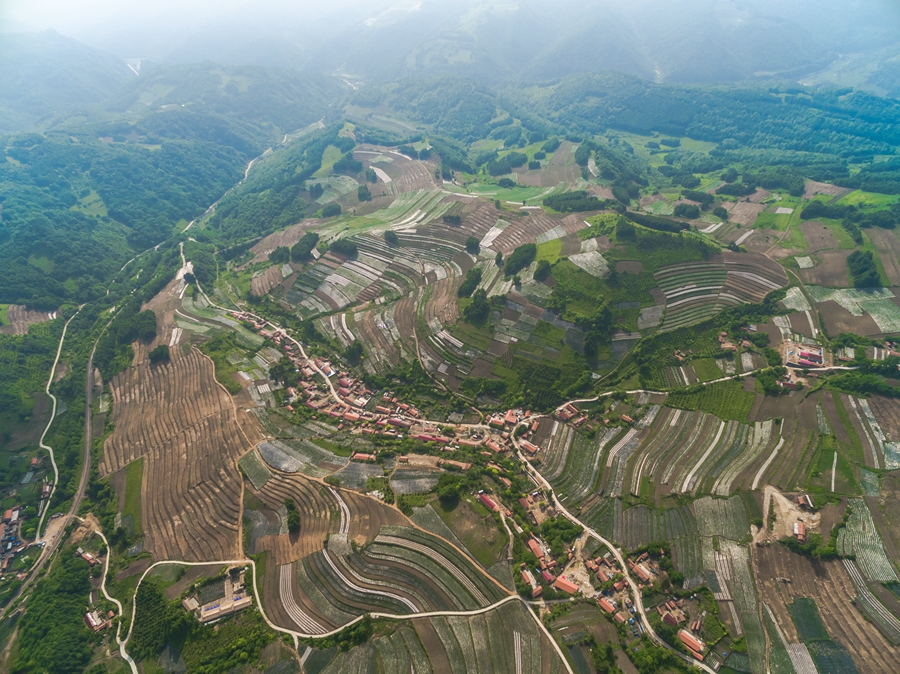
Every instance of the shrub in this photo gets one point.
(160, 354)
(391, 238)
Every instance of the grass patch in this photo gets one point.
(332, 447)
(707, 369)
(727, 400)
(477, 530)
(134, 473)
(859, 197)
(772, 221)
(549, 251)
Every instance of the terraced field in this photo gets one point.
(505, 640)
(860, 538)
(829, 585)
(400, 570)
(182, 423)
(696, 291)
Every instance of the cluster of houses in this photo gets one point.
(672, 613)
(640, 570)
(568, 412)
(11, 543)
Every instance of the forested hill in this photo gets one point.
(82, 197)
(275, 100)
(45, 75)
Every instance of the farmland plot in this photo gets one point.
(575, 478)
(743, 590)
(185, 427)
(725, 518)
(829, 586)
(695, 291)
(875, 302)
(642, 525)
(414, 481)
(19, 318)
(860, 538)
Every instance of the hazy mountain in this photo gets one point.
(46, 74)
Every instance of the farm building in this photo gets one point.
(565, 586)
(528, 447)
(800, 531)
(691, 641)
(607, 606)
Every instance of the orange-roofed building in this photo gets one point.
(607, 606)
(691, 641)
(565, 586)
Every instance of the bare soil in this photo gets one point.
(838, 320)
(831, 270)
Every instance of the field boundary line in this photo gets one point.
(768, 462)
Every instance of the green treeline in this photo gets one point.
(863, 270)
(52, 634)
(473, 278)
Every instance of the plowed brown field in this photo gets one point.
(185, 426)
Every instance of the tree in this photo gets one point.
(160, 354)
(344, 247)
(293, 516)
(688, 211)
(316, 190)
(354, 352)
(520, 258)
(390, 236)
(730, 174)
(363, 193)
(280, 255)
(371, 176)
(720, 212)
(331, 210)
(473, 245)
(477, 311)
(542, 271)
(498, 259)
(304, 247)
